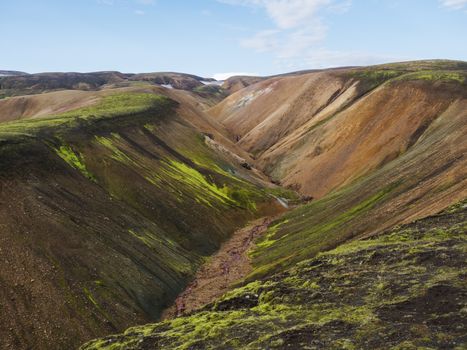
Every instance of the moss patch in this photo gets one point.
(299, 235)
(74, 159)
(430, 75)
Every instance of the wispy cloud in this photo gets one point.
(139, 12)
(324, 58)
(146, 2)
(454, 4)
(299, 29)
(286, 14)
(140, 2)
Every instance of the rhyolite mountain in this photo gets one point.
(115, 188)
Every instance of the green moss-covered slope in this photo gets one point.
(404, 289)
(106, 213)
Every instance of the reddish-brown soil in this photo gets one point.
(230, 264)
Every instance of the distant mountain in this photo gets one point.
(29, 84)
(236, 83)
(172, 80)
(10, 73)
(36, 83)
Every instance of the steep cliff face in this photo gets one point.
(106, 213)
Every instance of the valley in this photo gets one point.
(152, 207)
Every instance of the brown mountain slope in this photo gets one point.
(428, 177)
(236, 83)
(319, 131)
(106, 213)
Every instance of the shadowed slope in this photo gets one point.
(106, 214)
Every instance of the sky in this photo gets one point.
(218, 38)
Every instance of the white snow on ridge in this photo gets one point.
(167, 86)
(217, 82)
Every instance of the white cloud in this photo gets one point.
(298, 29)
(263, 41)
(299, 41)
(293, 13)
(139, 12)
(454, 4)
(324, 58)
(286, 14)
(341, 7)
(141, 2)
(224, 76)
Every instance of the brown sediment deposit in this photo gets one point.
(230, 264)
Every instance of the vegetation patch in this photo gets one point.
(430, 75)
(74, 159)
(377, 76)
(292, 238)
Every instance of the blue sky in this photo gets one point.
(209, 37)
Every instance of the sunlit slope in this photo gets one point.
(190, 104)
(319, 131)
(106, 213)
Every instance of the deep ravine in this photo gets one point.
(221, 271)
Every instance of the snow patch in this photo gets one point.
(167, 86)
(217, 82)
